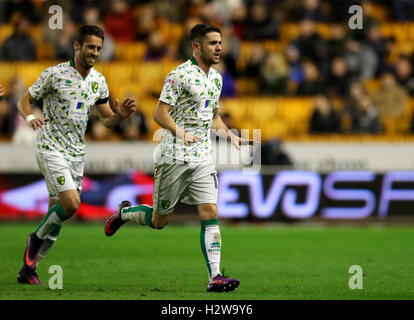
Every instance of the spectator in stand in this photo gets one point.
(239, 20)
(312, 83)
(336, 41)
(404, 74)
(339, 10)
(20, 8)
(273, 154)
(194, 8)
(92, 16)
(146, 23)
(229, 82)
(312, 10)
(16, 90)
(391, 98)
(392, 50)
(255, 60)
(365, 117)
(135, 127)
(261, 23)
(207, 14)
(378, 44)
(157, 48)
(230, 49)
(274, 75)
(312, 46)
(64, 42)
(339, 78)
(361, 60)
(119, 21)
(404, 10)
(295, 68)
(185, 50)
(324, 119)
(78, 8)
(356, 92)
(20, 45)
(223, 9)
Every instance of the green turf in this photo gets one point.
(272, 262)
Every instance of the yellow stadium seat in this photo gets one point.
(275, 46)
(289, 31)
(372, 85)
(133, 52)
(380, 12)
(246, 86)
(5, 31)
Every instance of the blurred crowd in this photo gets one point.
(332, 69)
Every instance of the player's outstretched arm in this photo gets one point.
(110, 119)
(25, 109)
(164, 119)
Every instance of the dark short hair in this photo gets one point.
(200, 30)
(89, 30)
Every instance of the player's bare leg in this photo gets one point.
(210, 240)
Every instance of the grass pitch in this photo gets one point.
(272, 262)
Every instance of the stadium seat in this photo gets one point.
(131, 52)
(5, 31)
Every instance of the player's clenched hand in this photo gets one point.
(126, 108)
(189, 138)
(1, 92)
(37, 123)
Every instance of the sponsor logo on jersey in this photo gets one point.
(80, 105)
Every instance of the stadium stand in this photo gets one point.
(285, 116)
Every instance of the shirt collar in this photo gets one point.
(193, 61)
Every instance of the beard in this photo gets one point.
(83, 59)
(207, 58)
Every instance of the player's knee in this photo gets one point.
(160, 221)
(70, 206)
(159, 224)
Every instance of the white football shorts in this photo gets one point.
(189, 183)
(60, 174)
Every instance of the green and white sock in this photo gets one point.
(48, 242)
(210, 240)
(141, 214)
(54, 218)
